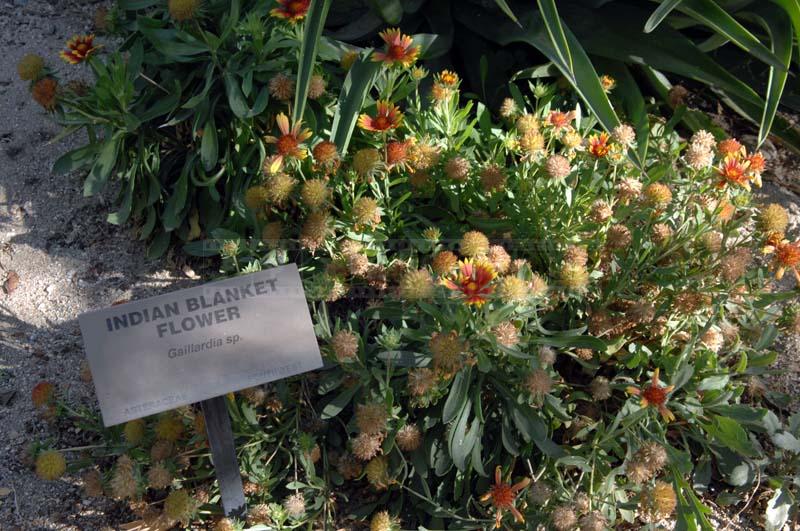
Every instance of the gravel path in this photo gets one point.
(68, 260)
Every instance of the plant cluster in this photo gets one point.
(527, 319)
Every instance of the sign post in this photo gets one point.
(196, 345)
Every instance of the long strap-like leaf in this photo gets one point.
(661, 12)
(315, 22)
(556, 31)
(355, 88)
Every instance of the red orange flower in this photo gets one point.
(599, 146)
(399, 49)
(502, 496)
(472, 280)
(656, 396)
(387, 117)
(79, 48)
(292, 11)
(290, 143)
(733, 171)
(561, 120)
(729, 147)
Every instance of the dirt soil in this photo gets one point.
(68, 259)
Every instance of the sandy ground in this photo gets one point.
(69, 260)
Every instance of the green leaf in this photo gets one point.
(76, 159)
(237, 101)
(158, 246)
(458, 395)
(713, 382)
(338, 403)
(504, 7)
(391, 11)
(315, 22)
(121, 216)
(661, 12)
(102, 167)
(134, 5)
(778, 507)
(209, 149)
(731, 434)
(355, 88)
(792, 8)
(714, 16)
(460, 442)
(552, 21)
(177, 200)
(779, 29)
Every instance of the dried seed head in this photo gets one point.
(444, 262)
(506, 334)
(417, 285)
(563, 518)
(315, 193)
(280, 187)
(271, 234)
(657, 195)
(657, 502)
(653, 456)
(699, 159)
(661, 233)
(314, 230)
(547, 356)
(367, 162)
(366, 212)
(316, 87)
(30, 67)
(123, 482)
(594, 521)
(159, 477)
(423, 155)
(161, 450)
(50, 465)
(421, 381)
(366, 446)
(538, 383)
(618, 237)
(773, 218)
(499, 259)
(628, 189)
(409, 438)
(513, 289)
(582, 504)
(508, 108)
(371, 418)
(255, 396)
(600, 388)
(349, 467)
(558, 167)
(474, 243)
(600, 211)
(624, 134)
(527, 123)
(637, 472)
(540, 492)
(574, 277)
(712, 241)
(256, 197)
(281, 87)
(345, 346)
(493, 178)
(586, 354)
(576, 255)
(538, 286)
(446, 349)
(457, 169)
(712, 339)
(169, 427)
(295, 505)
(93, 483)
(179, 506)
(377, 472)
(45, 93)
(326, 155)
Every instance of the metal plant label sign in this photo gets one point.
(186, 346)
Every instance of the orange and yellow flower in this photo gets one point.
(399, 49)
(502, 496)
(599, 145)
(292, 11)
(388, 117)
(732, 170)
(786, 256)
(79, 48)
(289, 144)
(473, 280)
(656, 396)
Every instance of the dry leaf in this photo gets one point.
(11, 283)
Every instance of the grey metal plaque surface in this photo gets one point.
(159, 353)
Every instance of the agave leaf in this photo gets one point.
(779, 29)
(792, 8)
(391, 11)
(661, 12)
(711, 14)
(503, 5)
(315, 22)
(552, 21)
